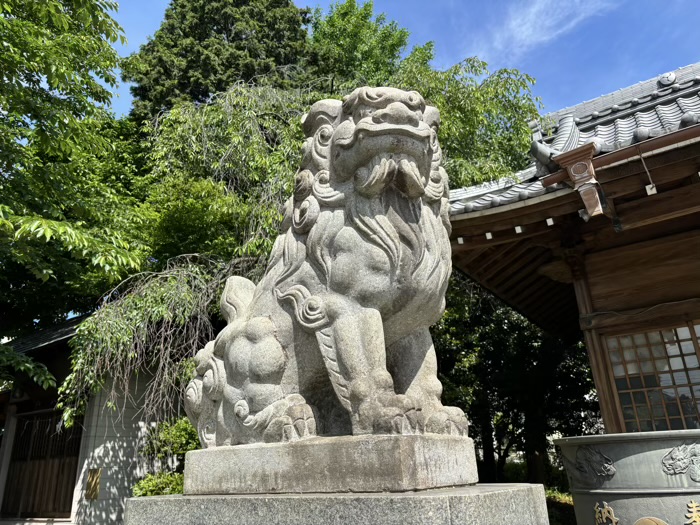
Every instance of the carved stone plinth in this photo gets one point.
(371, 463)
(479, 504)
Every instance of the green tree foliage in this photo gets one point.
(206, 46)
(353, 47)
(166, 446)
(218, 174)
(223, 170)
(77, 239)
(13, 363)
(61, 223)
(171, 439)
(518, 384)
(485, 132)
(160, 484)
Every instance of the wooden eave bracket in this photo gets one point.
(578, 164)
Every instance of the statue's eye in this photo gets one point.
(415, 101)
(363, 113)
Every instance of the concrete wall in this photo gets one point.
(110, 442)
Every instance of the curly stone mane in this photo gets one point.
(381, 214)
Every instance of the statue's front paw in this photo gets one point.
(390, 414)
(298, 421)
(447, 420)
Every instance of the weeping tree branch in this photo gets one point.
(150, 324)
(237, 155)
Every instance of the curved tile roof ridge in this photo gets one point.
(627, 128)
(663, 94)
(633, 95)
(647, 109)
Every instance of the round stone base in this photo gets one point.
(475, 505)
(372, 463)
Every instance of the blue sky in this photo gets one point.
(575, 49)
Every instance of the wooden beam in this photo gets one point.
(523, 292)
(687, 310)
(648, 146)
(536, 295)
(521, 270)
(556, 270)
(555, 178)
(603, 237)
(517, 269)
(660, 207)
(465, 257)
(636, 181)
(504, 236)
(471, 224)
(644, 274)
(617, 181)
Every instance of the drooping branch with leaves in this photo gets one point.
(149, 325)
(217, 177)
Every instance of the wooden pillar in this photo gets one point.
(8, 441)
(600, 366)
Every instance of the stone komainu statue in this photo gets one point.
(334, 339)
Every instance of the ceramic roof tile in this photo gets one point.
(649, 108)
(47, 336)
(462, 201)
(623, 98)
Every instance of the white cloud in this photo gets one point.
(529, 24)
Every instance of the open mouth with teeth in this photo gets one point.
(386, 169)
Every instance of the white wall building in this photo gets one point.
(78, 476)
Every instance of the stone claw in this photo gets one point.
(447, 420)
(297, 421)
(390, 413)
(303, 420)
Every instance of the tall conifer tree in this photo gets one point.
(205, 46)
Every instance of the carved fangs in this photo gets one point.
(385, 169)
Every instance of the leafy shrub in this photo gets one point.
(171, 439)
(161, 484)
(166, 445)
(560, 507)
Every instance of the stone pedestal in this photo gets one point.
(479, 504)
(372, 463)
(368, 480)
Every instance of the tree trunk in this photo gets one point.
(536, 455)
(501, 465)
(488, 471)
